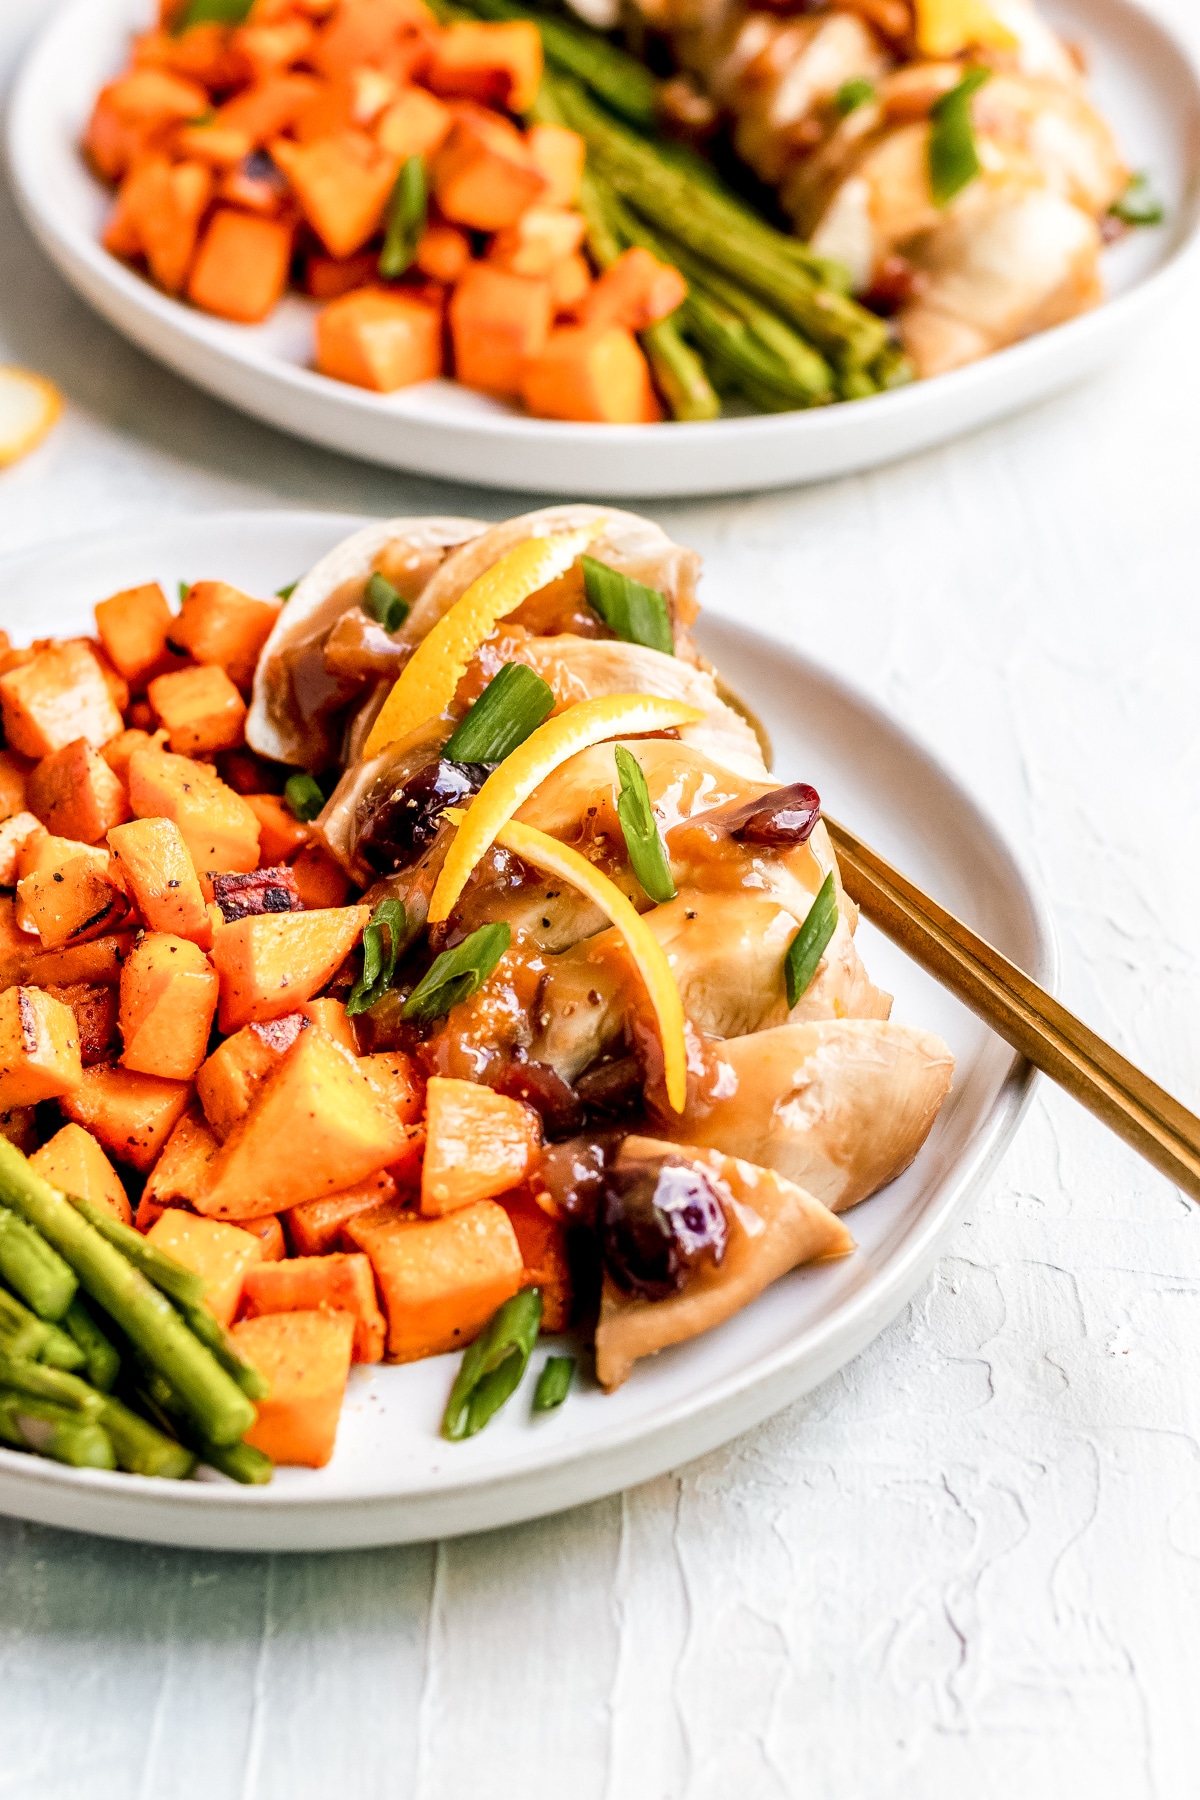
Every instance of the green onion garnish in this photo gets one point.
(185, 588)
(647, 854)
(457, 973)
(382, 603)
(554, 1383)
(406, 213)
(303, 795)
(379, 964)
(853, 94)
(1138, 205)
(808, 946)
(953, 159)
(511, 706)
(636, 613)
(285, 593)
(492, 1367)
(211, 12)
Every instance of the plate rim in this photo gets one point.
(704, 1417)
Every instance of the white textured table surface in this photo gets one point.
(972, 1561)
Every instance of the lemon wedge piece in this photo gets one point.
(29, 406)
(948, 27)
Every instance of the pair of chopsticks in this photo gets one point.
(1027, 1017)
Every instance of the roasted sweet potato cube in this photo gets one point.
(158, 214)
(220, 624)
(76, 902)
(249, 896)
(483, 174)
(270, 964)
(132, 1114)
(596, 373)
(184, 1166)
(441, 1279)
(414, 125)
(329, 1016)
(130, 110)
(379, 340)
(478, 1144)
(118, 752)
(98, 962)
(229, 1082)
(320, 881)
(14, 777)
(268, 107)
(241, 267)
(398, 1081)
(133, 627)
(15, 833)
(342, 184)
(269, 1231)
(281, 835)
(497, 65)
(498, 322)
(158, 871)
(56, 697)
(384, 34)
(200, 710)
(75, 794)
(314, 1228)
(39, 1047)
(217, 826)
(73, 1161)
(558, 155)
(169, 993)
(221, 1254)
(95, 1006)
(544, 1252)
(42, 853)
(339, 1283)
(317, 1127)
(19, 1125)
(306, 1358)
(542, 238)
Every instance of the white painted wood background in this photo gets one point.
(971, 1563)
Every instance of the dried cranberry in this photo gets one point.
(522, 1077)
(403, 826)
(611, 1086)
(657, 1220)
(779, 819)
(572, 1173)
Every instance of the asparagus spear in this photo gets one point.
(54, 1385)
(92, 1347)
(183, 1285)
(60, 1351)
(22, 1333)
(141, 1448)
(66, 1437)
(30, 1267)
(212, 1335)
(241, 1462)
(213, 1400)
(623, 83)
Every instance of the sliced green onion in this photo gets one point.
(384, 604)
(953, 158)
(185, 588)
(303, 795)
(853, 94)
(554, 1383)
(406, 213)
(211, 12)
(285, 593)
(636, 613)
(808, 946)
(457, 973)
(511, 706)
(647, 854)
(1138, 204)
(492, 1367)
(379, 963)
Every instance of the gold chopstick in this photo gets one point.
(1025, 1015)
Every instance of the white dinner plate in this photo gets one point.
(1142, 80)
(392, 1478)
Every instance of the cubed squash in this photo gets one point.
(241, 267)
(98, 962)
(306, 1358)
(133, 627)
(160, 875)
(314, 1228)
(118, 751)
(593, 373)
(497, 322)
(73, 1161)
(270, 963)
(59, 695)
(14, 777)
(544, 1252)
(220, 624)
(542, 238)
(95, 1007)
(317, 1127)
(70, 904)
(478, 1144)
(75, 793)
(330, 1016)
(379, 340)
(558, 155)
(443, 252)
(281, 835)
(221, 1254)
(635, 292)
(169, 993)
(39, 1048)
(131, 109)
(131, 1114)
(398, 1081)
(184, 1167)
(229, 1081)
(497, 65)
(200, 710)
(441, 1279)
(219, 829)
(339, 1283)
(483, 174)
(415, 124)
(342, 184)
(269, 1231)
(320, 881)
(15, 833)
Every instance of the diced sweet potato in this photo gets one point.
(220, 146)
(544, 1252)
(249, 896)
(14, 776)
(114, 681)
(558, 155)
(413, 125)
(221, 1254)
(379, 340)
(222, 625)
(443, 253)
(15, 833)
(397, 1079)
(39, 1047)
(119, 750)
(229, 1082)
(159, 873)
(593, 373)
(133, 628)
(98, 962)
(19, 1125)
(268, 965)
(478, 1144)
(497, 322)
(75, 794)
(385, 34)
(241, 267)
(71, 904)
(217, 826)
(95, 1008)
(342, 184)
(200, 710)
(269, 1231)
(271, 46)
(267, 107)
(132, 1114)
(320, 881)
(306, 1358)
(158, 215)
(317, 1127)
(130, 110)
(329, 277)
(184, 1168)
(169, 993)
(329, 1016)
(497, 65)
(542, 237)
(441, 1279)
(634, 292)
(56, 697)
(483, 174)
(315, 1226)
(281, 835)
(73, 1161)
(337, 1283)
(248, 774)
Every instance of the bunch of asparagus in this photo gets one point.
(765, 319)
(109, 1358)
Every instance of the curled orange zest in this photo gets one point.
(426, 684)
(509, 786)
(648, 955)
